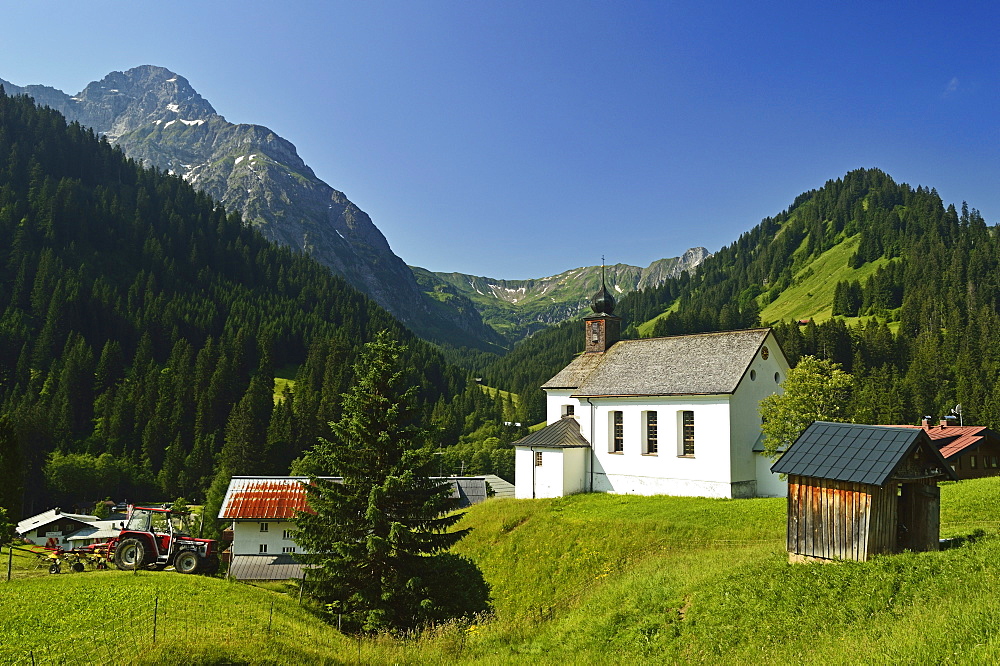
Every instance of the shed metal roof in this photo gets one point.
(563, 434)
(265, 567)
(855, 453)
(705, 363)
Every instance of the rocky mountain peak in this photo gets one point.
(124, 101)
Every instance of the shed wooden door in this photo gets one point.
(919, 516)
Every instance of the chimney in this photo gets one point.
(925, 422)
(944, 422)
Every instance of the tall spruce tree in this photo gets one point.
(376, 535)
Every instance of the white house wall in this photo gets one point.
(248, 537)
(762, 378)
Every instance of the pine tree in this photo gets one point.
(377, 536)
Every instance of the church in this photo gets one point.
(655, 416)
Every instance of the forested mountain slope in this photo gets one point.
(159, 120)
(140, 324)
(882, 255)
(518, 308)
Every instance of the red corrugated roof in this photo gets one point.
(954, 440)
(275, 498)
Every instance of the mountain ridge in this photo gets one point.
(517, 308)
(158, 119)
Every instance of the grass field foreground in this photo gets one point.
(586, 579)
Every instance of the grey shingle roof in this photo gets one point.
(706, 363)
(563, 434)
(854, 453)
(574, 374)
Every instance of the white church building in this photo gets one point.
(656, 416)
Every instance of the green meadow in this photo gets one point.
(588, 579)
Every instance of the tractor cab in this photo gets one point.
(160, 537)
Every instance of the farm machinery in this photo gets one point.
(77, 558)
(159, 538)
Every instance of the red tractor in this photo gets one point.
(160, 538)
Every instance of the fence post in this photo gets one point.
(302, 585)
(10, 561)
(156, 609)
(270, 617)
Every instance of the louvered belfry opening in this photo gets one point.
(602, 332)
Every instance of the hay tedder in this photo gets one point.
(77, 559)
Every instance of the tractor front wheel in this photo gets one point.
(77, 567)
(186, 562)
(131, 555)
(54, 569)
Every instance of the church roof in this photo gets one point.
(705, 363)
(563, 434)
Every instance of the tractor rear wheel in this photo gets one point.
(131, 554)
(186, 562)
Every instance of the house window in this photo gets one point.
(538, 458)
(651, 434)
(288, 549)
(568, 410)
(993, 461)
(753, 375)
(286, 535)
(687, 433)
(617, 432)
(263, 527)
(263, 548)
(972, 462)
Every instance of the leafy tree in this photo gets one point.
(6, 527)
(815, 390)
(378, 535)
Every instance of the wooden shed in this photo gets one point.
(857, 490)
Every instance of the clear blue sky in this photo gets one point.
(521, 139)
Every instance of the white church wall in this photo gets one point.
(667, 471)
(762, 378)
(547, 479)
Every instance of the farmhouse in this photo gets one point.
(674, 416)
(857, 490)
(972, 451)
(53, 528)
(261, 511)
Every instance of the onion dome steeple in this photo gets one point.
(603, 302)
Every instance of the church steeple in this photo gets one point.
(603, 302)
(603, 328)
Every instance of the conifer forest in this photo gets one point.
(142, 327)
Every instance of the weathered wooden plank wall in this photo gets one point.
(840, 520)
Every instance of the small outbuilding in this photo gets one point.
(858, 490)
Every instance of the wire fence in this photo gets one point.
(69, 634)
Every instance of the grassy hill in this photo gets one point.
(810, 294)
(584, 579)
